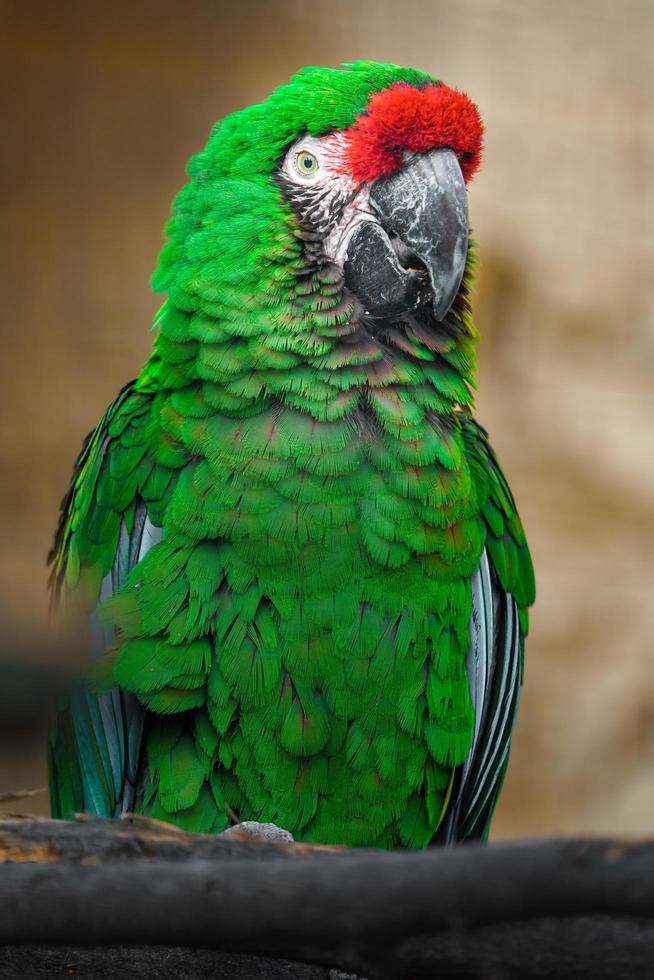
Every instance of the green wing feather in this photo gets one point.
(94, 742)
(503, 588)
(505, 537)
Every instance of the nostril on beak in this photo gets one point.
(407, 257)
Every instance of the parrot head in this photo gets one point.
(335, 209)
(387, 196)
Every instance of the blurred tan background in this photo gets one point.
(102, 104)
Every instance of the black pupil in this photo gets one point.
(306, 162)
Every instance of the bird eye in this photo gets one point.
(305, 163)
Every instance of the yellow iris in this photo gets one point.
(306, 163)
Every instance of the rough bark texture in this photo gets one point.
(146, 963)
(193, 906)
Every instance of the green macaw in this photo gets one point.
(306, 578)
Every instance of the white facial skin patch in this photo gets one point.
(330, 198)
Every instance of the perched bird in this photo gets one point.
(306, 578)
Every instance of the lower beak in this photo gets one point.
(418, 250)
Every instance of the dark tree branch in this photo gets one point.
(147, 963)
(505, 910)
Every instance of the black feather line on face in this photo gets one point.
(306, 203)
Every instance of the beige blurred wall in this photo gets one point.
(101, 107)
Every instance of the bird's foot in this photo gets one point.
(267, 833)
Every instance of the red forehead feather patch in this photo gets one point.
(406, 118)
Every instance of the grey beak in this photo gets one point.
(423, 215)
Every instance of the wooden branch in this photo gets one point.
(145, 962)
(519, 909)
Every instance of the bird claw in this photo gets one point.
(267, 833)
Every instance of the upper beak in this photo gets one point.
(418, 249)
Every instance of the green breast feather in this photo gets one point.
(282, 523)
